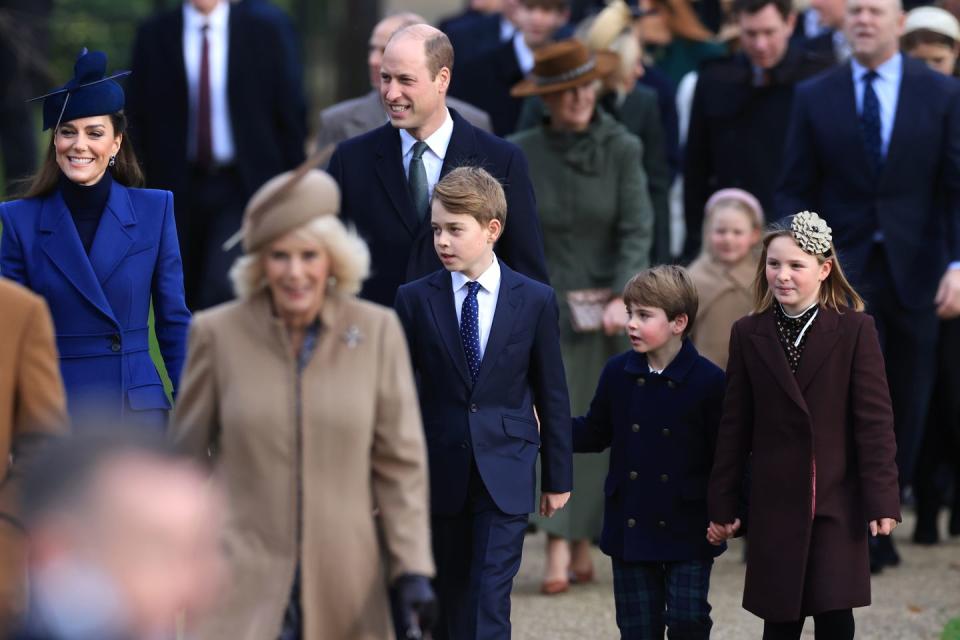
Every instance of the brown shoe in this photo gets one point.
(553, 587)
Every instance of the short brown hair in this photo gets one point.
(666, 287)
(547, 5)
(436, 46)
(474, 192)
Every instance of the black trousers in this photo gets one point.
(908, 338)
(830, 625)
(208, 212)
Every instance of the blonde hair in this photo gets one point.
(836, 292)
(743, 202)
(474, 192)
(348, 253)
(668, 287)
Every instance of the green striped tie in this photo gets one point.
(417, 180)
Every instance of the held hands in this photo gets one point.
(550, 503)
(718, 533)
(413, 605)
(614, 317)
(883, 526)
(947, 298)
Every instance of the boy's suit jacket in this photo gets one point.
(830, 425)
(376, 199)
(100, 303)
(492, 422)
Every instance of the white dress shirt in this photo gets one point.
(486, 298)
(887, 87)
(218, 38)
(433, 157)
(524, 53)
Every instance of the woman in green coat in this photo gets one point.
(597, 224)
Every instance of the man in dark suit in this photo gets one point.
(486, 80)
(831, 41)
(484, 25)
(215, 112)
(387, 200)
(736, 135)
(874, 147)
(485, 346)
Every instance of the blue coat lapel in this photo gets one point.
(508, 305)
(114, 238)
(445, 316)
(389, 166)
(61, 243)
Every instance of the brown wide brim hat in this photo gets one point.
(563, 65)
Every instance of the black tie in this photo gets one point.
(870, 122)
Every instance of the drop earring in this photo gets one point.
(113, 161)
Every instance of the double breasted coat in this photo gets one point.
(829, 427)
(100, 302)
(32, 406)
(358, 443)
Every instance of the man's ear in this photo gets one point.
(444, 77)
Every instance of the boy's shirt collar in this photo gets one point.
(677, 370)
(489, 280)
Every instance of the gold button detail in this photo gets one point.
(631, 522)
(633, 475)
(671, 384)
(664, 477)
(635, 428)
(641, 382)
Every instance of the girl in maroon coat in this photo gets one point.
(807, 403)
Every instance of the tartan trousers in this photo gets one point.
(651, 596)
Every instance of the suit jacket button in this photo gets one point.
(671, 384)
(662, 524)
(635, 428)
(464, 445)
(641, 382)
(633, 475)
(664, 477)
(631, 523)
(474, 408)
(115, 342)
(665, 432)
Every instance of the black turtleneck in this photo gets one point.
(86, 205)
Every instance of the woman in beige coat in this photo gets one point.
(302, 399)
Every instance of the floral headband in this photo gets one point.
(811, 233)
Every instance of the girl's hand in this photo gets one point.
(718, 533)
(883, 526)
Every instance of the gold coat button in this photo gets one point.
(631, 522)
(633, 475)
(664, 477)
(641, 382)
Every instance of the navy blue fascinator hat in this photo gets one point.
(89, 93)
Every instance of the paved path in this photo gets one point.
(912, 602)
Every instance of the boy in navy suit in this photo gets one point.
(658, 409)
(485, 347)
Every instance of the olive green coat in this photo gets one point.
(597, 225)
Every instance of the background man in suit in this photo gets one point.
(216, 112)
(833, 40)
(736, 135)
(32, 408)
(478, 30)
(422, 142)
(874, 147)
(352, 117)
(486, 79)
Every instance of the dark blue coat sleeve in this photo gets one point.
(594, 431)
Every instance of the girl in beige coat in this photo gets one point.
(725, 270)
(302, 399)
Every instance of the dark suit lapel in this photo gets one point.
(113, 239)
(235, 62)
(462, 149)
(173, 52)
(908, 102)
(845, 108)
(445, 315)
(821, 338)
(507, 311)
(389, 167)
(771, 352)
(61, 243)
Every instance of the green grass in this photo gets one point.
(952, 630)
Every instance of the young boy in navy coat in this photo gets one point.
(485, 348)
(658, 409)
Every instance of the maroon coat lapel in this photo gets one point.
(821, 340)
(768, 347)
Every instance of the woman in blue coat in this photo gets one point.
(99, 250)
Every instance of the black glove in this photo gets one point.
(413, 605)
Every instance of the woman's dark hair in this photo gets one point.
(126, 171)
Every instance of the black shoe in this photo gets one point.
(886, 553)
(876, 567)
(926, 535)
(955, 520)
(926, 530)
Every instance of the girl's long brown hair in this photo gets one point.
(836, 292)
(126, 171)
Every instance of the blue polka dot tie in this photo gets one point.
(470, 329)
(870, 122)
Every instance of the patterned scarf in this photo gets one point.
(793, 331)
